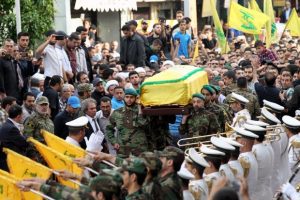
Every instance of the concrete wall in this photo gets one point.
(62, 16)
(109, 24)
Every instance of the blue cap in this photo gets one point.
(74, 102)
(153, 58)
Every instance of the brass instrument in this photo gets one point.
(196, 141)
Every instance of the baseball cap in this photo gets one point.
(134, 164)
(153, 58)
(170, 151)
(96, 81)
(107, 183)
(74, 102)
(151, 160)
(42, 100)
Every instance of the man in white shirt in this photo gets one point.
(76, 130)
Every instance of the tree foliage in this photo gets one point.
(37, 17)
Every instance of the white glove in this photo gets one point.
(95, 142)
(290, 191)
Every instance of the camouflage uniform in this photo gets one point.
(152, 186)
(171, 183)
(131, 130)
(213, 108)
(158, 134)
(253, 105)
(199, 123)
(228, 90)
(35, 123)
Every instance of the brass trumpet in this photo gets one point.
(272, 137)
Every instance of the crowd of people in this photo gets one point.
(86, 92)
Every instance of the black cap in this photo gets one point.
(132, 22)
(49, 32)
(62, 33)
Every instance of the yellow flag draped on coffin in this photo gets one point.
(293, 24)
(246, 20)
(22, 167)
(57, 161)
(271, 29)
(219, 29)
(62, 146)
(8, 188)
(174, 86)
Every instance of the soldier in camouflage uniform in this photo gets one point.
(229, 81)
(134, 172)
(208, 92)
(253, 105)
(130, 124)
(151, 185)
(39, 120)
(105, 186)
(169, 180)
(228, 114)
(200, 121)
(84, 91)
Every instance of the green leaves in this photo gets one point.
(37, 17)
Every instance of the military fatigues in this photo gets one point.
(158, 132)
(200, 123)
(228, 114)
(131, 130)
(35, 123)
(171, 187)
(153, 188)
(138, 195)
(213, 108)
(228, 90)
(253, 105)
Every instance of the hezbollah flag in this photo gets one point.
(246, 20)
(293, 24)
(219, 29)
(8, 188)
(270, 26)
(57, 161)
(253, 6)
(62, 146)
(22, 167)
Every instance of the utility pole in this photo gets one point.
(18, 15)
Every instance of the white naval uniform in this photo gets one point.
(236, 167)
(238, 116)
(227, 172)
(187, 195)
(284, 169)
(72, 141)
(294, 157)
(264, 161)
(199, 189)
(252, 175)
(211, 178)
(276, 174)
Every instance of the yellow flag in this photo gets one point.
(8, 188)
(22, 167)
(62, 146)
(196, 51)
(246, 20)
(271, 34)
(293, 24)
(219, 29)
(57, 161)
(254, 6)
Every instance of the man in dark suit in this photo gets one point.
(11, 136)
(286, 12)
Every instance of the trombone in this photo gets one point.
(273, 132)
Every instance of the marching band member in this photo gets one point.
(234, 163)
(237, 104)
(292, 127)
(264, 161)
(186, 176)
(226, 148)
(76, 130)
(196, 164)
(247, 159)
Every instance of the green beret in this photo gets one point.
(209, 89)
(199, 95)
(131, 91)
(216, 88)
